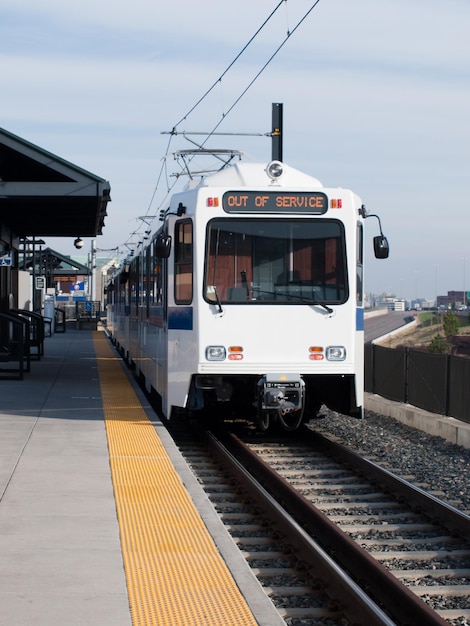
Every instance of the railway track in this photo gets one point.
(345, 534)
(304, 584)
(419, 540)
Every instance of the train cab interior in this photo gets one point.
(276, 261)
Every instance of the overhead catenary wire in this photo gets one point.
(202, 98)
(255, 78)
(258, 74)
(252, 38)
(174, 131)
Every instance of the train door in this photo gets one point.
(158, 315)
(182, 352)
(359, 334)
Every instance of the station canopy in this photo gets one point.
(48, 261)
(42, 195)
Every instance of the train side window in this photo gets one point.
(184, 262)
(156, 278)
(134, 285)
(359, 264)
(143, 295)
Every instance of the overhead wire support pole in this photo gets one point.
(276, 135)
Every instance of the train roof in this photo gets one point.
(255, 175)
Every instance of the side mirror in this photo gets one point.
(163, 246)
(381, 247)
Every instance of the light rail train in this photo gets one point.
(248, 300)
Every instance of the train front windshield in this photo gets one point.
(276, 261)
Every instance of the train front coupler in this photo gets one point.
(280, 399)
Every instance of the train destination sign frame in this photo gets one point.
(308, 202)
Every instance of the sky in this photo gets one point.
(376, 98)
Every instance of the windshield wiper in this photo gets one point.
(325, 306)
(294, 296)
(219, 304)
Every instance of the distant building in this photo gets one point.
(399, 305)
(390, 302)
(421, 304)
(453, 300)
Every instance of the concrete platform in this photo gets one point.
(60, 551)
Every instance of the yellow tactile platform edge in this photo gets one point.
(175, 575)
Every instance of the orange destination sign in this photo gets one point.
(311, 202)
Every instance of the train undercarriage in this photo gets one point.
(282, 401)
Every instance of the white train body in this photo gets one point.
(249, 299)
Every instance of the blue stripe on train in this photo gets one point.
(359, 319)
(180, 318)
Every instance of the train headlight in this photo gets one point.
(215, 353)
(336, 353)
(274, 170)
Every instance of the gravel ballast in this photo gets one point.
(431, 462)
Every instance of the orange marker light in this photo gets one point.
(235, 353)
(316, 353)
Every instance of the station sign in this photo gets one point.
(6, 260)
(40, 282)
